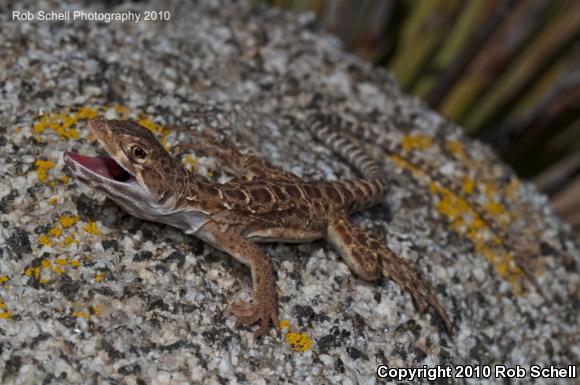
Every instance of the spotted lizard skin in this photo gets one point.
(264, 204)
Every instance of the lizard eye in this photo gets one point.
(138, 152)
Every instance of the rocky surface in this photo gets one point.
(91, 295)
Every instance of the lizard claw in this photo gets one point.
(249, 313)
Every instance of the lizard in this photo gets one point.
(262, 203)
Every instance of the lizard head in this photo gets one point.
(139, 173)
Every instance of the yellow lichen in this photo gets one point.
(152, 126)
(92, 228)
(4, 279)
(32, 271)
(68, 220)
(156, 128)
(55, 231)
(513, 187)
(46, 264)
(69, 240)
(416, 142)
(468, 185)
(190, 161)
(284, 324)
(43, 239)
(63, 123)
(456, 148)
(64, 179)
(42, 167)
(122, 111)
(297, 341)
(52, 201)
(457, 210)
(97, 309)
(80, 314)
(100, 276)
(408, 166)
(75, 263)
(5, 315)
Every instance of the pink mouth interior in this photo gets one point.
(105, 167)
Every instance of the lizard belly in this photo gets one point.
(282, 234)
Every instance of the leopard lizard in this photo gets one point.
(262, 203)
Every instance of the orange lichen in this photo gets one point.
(42, 168)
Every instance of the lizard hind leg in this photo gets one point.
(371, 259)
(353, 246)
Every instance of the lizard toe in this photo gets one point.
(249, 313)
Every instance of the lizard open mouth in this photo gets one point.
(104, 167)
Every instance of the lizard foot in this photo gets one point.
(249, 313)
(404, 275)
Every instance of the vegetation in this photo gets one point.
(508, 71)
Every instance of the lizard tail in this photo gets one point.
(322, 126)
(395, 149)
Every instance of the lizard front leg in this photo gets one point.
(264, 308)
(246, 166)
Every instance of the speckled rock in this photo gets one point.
(91, 295)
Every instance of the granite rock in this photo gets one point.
(91, 295)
